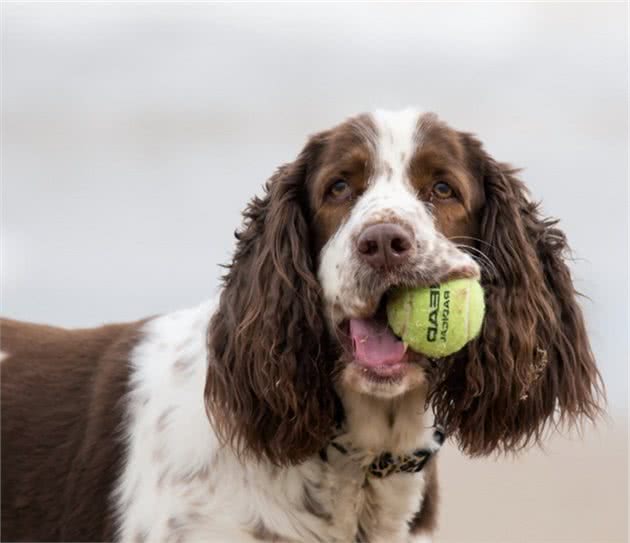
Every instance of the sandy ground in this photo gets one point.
(575, 491)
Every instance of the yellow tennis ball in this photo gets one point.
(438, 320)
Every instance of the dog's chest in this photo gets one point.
(336, 496)
(179, 483)
(347, 503)
(364, 500)
(333, 497)
(333, 501)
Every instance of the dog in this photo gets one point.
(287, 410)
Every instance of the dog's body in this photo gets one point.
(286, 410)
(161, 474)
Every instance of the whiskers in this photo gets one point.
(484, 261)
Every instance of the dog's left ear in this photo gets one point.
(269, 386)
(532, 363)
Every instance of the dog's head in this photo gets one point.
(379, 201)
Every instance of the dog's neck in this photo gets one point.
(396, 425)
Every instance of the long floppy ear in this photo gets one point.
(268, 390)
(532, 364)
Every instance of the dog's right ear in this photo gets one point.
(269, 388)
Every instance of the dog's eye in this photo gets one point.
(339, 189)
(443, 190)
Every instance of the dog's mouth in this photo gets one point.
(374, 347)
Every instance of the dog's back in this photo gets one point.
(58, 454)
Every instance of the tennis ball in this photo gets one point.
(438, 320)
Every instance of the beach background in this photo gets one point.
(133, 135)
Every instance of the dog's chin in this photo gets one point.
(386, 382)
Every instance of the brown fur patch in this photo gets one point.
(347, 152)
(61, 415)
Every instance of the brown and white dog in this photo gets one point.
(288, 410)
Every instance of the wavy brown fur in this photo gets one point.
(532, 364)
(269, 388)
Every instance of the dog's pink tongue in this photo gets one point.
(375, 344)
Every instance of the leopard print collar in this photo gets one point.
(387, 463)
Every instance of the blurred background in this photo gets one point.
(133, 135)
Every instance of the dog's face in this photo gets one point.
(382, 200)
(393, 203)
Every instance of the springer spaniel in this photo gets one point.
(288, 410)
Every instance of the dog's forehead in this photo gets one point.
(391, 138)
(397, 135)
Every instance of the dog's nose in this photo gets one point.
(384, 245)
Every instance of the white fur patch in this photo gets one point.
(397, 137)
